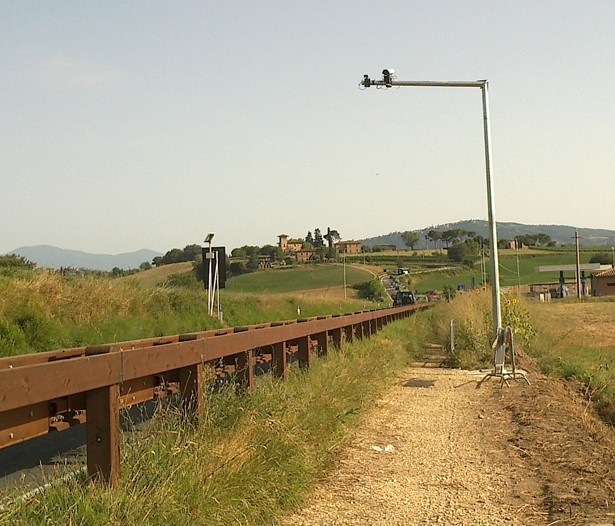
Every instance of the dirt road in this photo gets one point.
(436, 450)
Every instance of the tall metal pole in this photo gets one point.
(209, 284)
(493, 237)
(217, 285)
(389, 81)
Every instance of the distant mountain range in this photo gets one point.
(54, 257)
(561, 234)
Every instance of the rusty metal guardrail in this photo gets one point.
(52, 391)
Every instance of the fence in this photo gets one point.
(52, 391)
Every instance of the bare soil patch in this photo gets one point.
(436, 450)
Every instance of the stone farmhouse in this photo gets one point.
(295, 248)
(348, 247)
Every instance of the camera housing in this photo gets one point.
(388, 76)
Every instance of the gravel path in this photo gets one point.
(433, 451)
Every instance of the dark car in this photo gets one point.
(404, 298)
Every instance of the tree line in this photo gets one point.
(465, 246)
(412, 238)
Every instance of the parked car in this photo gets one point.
(404, 298)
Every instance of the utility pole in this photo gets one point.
(578, 269)
(518, 273)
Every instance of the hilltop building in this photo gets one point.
(263, 262)
(305, 254)
(518, 245)
(289, 245)
(348, 247)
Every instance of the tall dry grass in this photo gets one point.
(471, 314)
(80, 300)
(41, 312)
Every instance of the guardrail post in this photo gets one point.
(191, 390)
(245, 370)
(323, 343)
(373, 327)
(367, 329)
(359, 331)
(349, 333)
(303, 352)
(279, 360)
(337, 338)
(103, 433)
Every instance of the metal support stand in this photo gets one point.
(502, 343)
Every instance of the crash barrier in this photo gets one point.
(503, 345)
(53, 391)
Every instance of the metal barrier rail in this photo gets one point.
(55, 390)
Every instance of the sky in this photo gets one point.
(129, 125)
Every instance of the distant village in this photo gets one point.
(312, 249)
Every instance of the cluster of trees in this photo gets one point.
(252, 253)
(318, 239)
(466, 252)
(14, 261)
(178, 255)
(324, 244)
(458, 235)
(413, 237)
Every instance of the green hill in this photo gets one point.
(561, 234)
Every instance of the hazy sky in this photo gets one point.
(127, 125)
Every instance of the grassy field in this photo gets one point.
(299, 278)
(578, 339)
(251, 460)
(528, 261)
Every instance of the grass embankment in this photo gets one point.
(158, 275)
(251, 459)
(42, 312)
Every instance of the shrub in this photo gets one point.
(14, 261)
(604, 258)
(372, 290)
(12, 339)
(515, 315)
